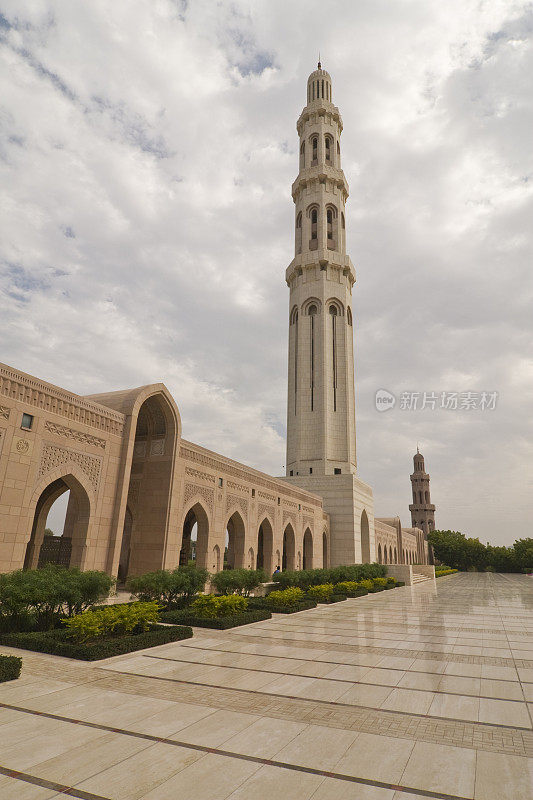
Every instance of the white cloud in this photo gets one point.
(146, 156)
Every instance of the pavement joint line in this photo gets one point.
(68, 790)
(422, 655)
(323, 661)
(332, 680)
(60, 788)
(373, 709)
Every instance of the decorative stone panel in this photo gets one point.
(4, 412)
(240, 502)
(53, 456)
(308, 523)
(139, 449)
(196, 473)
(157, 447)
(238, 487)
(191, 490)
(76, 436)
(263, 509)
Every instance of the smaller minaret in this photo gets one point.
(422, 510)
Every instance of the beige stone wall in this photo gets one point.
(127, 468)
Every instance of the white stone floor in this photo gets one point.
(411, 693)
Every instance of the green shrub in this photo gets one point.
(243, 581)
(186, 617)
(210, 606)
(37, 598)
(315, 577)
(440, 572)
(168, 587)
(286, 597)
(367, 584)
(57, 642)
(112, 621)
(351, 589)
(10, 667)
(391, 581)
(321, 593)
(379, 583)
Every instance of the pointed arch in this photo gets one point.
(265, 546)
(48, 490)
(380, 559)
(289, 548)
(365, 538)
(195, 524)
(325, 561)
(308, 549)
(235, 538)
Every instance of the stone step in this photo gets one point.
(418, 578)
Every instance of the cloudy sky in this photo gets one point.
(147, 150)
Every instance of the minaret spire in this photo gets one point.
(321, 412)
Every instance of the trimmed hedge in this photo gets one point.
(277, 608)
(57, 642)
(220, 623)
(10, 667)
(313, 577)
(439, 573)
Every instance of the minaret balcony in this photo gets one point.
(322, 173)
(322, 259)
(321, 107)
(422, 507)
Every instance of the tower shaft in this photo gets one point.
(321, 408)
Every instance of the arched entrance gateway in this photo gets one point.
(70, 548)
(150, 487)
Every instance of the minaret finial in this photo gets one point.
(319, 64)
(417, 450)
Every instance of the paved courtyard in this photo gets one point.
(412, 693)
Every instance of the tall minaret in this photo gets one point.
(321, 410)
(422, 510)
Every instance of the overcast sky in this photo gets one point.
(147, 152)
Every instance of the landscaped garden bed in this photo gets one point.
(186, 617)
(58, 643)
(10, 667)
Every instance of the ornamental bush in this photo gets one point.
(168, 587)
(350, 588)
(321, 593)
(440, 572)
(10, 667)
(316, 577)
(286, 597)
(112, 621)
(243, 581)
(210, 606)
(37, 598)
(379, 583)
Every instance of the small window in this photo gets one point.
(310, 470)
(221, 482)
(279, 501)
(337, 471)
(291, 473)
(27, 422)
(253, 492)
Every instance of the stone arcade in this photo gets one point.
(138, 490)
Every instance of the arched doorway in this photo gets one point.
(216, 558)
(289, 549)
(265, 545)
(149, 493)
(251, 559)
(308, 549)
(365, 538)
(195, 537)
(69, 547)
(379, 554)
(235, 538)
(124, 561)
(324, 550)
